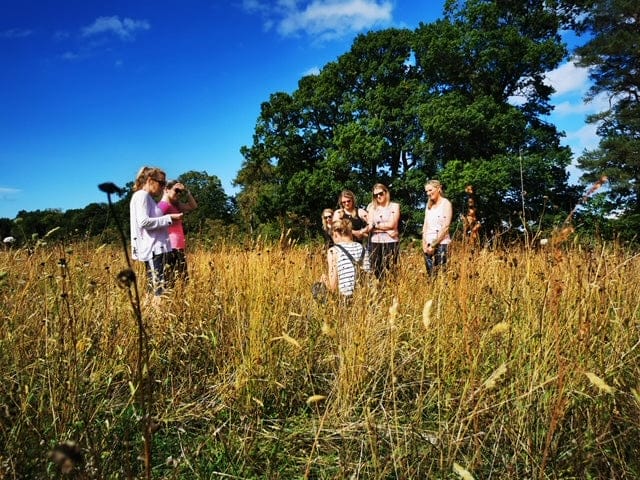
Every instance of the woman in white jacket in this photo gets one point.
(149, 226)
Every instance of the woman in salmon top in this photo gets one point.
(383, 217)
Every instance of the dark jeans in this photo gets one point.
(436, 261)
(176, 267)
(383, 257)
(156, 273)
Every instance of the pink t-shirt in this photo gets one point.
(437, 220)
(176, 232)
(384, 214)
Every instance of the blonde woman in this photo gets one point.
(150, 227)
(435, 229)
(326, 218)
(383, 217)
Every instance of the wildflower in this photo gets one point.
(110, 188)
(126, 278)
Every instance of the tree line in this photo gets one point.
(462, 99)
(215, 210)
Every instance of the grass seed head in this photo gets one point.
(426, 313)
(393, 311)
(599, 383)
(315, 399)
(327, 330)
(495, 377)
(500, 328)
(290, 340)
(462, 472)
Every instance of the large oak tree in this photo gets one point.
(462, 99)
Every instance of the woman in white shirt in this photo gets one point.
(435, 229)
(383, 217)
(149, 226)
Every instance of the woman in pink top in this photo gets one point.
(383, 217)
(172, 203)
(435, 229)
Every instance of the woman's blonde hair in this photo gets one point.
(348, 194)
(326, 224)
(434, 184)
(143, 174)
(141, 178)
(377, 186)
(342, 226)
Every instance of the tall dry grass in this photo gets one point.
(512, 364)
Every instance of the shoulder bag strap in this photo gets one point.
(349, 256)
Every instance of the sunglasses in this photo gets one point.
(161, 182)
(379, 194)
(179, 191)
(327, 217)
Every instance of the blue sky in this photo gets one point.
(91, 91)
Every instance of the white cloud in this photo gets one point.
(60, 35)
(584, 138)
(252, 6)
(311, 71)
(70, 56)
(578, 106)
(571, 84)
(9, 194)
(569, 79)
(16, 33)
(323, 19)
(123, 29)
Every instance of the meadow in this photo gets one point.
(515, 363)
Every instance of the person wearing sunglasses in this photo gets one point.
(150, 226)
(384, 217)
(327, 215)
(348, 208)
(177, 199)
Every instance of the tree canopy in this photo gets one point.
(612, 52)
(462, 99)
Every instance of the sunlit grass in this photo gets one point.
(512, 364)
